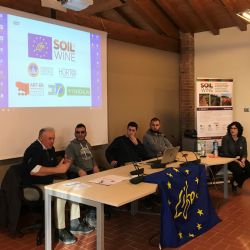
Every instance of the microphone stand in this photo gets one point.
(139, 172)
(197, 160)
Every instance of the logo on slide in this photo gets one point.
(67, 73)
(23, 88)
(39, 46)
(31, 89)
(78, 91)
(36, 89)
(46, 71)
(56, 89)
(33, 69)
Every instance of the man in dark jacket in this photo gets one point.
(39, 167)
(126, 148)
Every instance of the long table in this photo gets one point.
(210, 161)
(97, 195)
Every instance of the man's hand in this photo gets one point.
(96, 169)
(113, 163)
(133, 139)
(81, 172)
(63, 166)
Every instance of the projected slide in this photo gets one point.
(47, 65)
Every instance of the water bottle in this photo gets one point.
(203, 148)
(215, 148)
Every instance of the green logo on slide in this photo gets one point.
(78, 91)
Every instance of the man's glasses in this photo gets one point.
(80, 132)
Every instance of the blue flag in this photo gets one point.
(186, 210)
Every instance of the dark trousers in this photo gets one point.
(240, 174)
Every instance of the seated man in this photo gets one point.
(80, 153)
(82, 161)
(126, 148)
(154, 141)
(39, 167)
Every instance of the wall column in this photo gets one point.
(187, 83)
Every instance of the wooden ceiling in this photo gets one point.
(152, 23)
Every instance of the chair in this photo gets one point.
(215, 175)
(14, 198)
(33, 202)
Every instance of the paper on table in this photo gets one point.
(109, 180)
(76, 184)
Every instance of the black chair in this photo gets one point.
(33, 203)
(15, 198)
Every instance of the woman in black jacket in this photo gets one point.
(234, 144)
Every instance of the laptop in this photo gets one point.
(169, 156)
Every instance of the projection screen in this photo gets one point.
(51, 74)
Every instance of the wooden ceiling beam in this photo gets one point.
(200, 10)
(232, 12)
(126, 17)
(102, 6)
(122, 32)
(154, 16)
(114, 16)
(116, 31)
(170, 11)
(137, 20)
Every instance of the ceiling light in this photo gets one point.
(62, 5)
(76, 5)
(245, 15)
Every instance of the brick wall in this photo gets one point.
(187, 83)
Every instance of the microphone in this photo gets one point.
(139, 172)
(137, 180)
(186, 160)
(197, 160)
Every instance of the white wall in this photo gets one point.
(142, 83)
(227, 56)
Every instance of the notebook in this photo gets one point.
(169, 156)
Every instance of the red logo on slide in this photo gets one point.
(23, 88)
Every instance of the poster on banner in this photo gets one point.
(214, 110)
